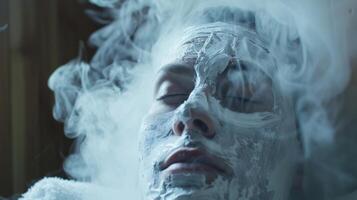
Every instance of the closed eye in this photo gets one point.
(245, 104)
(171, 96)
(243, 99)
(173, 100)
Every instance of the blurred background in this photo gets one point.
(39, 36)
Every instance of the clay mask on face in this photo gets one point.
(242, 143)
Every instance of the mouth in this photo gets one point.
(194, 160)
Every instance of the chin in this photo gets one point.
(180, 193)
(190, 186)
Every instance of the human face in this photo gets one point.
(219, 127)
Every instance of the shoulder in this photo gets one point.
(56, 189)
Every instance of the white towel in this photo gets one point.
(60, 189)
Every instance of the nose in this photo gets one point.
(198, 122)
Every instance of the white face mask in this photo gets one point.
(230, 134)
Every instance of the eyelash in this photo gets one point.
(171, 95)
(245, 100)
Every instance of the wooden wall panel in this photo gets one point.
(17, 68)
(5, 112)
(42, 35)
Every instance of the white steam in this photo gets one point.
(3, 27)
(103, 102)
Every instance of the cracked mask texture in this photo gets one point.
(259, 147)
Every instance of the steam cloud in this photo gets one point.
(102, 102)
(4, 27)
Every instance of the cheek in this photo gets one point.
(155, 132)
(159, 108)
(261, 149)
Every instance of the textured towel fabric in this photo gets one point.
(60, 189)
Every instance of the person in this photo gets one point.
(223, 121)
(229, 131)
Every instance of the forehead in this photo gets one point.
(211, 45)
(220, 31)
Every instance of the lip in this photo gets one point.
(188, 159)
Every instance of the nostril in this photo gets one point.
(180, 127)
(196, 123)
(201, 125)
